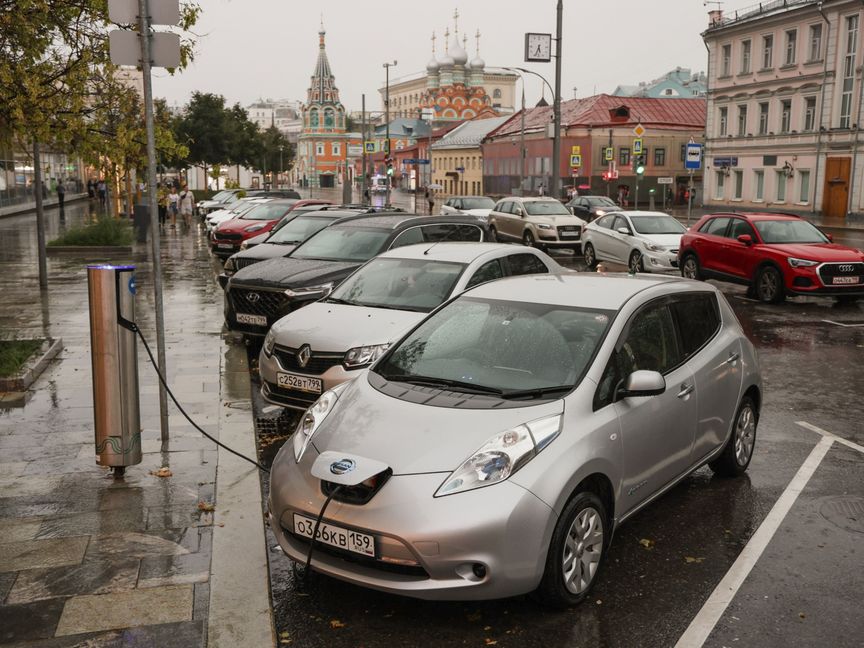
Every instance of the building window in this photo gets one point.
(739, 184)
(742, 120)
(659, 157)
(759, 178)
(724, 122)
(785, 115)
(336, 148)
(849, 70)
(763, 118)
(682, 153)
(319, 148)
(809, 113)
(804, 186)
(496, 93)
(668, 92)
(313, 118)
(815, 42)
(781, 186)
(721, 182)
(624, 156)
(745, 57)
(726, 60)
(767, 51)
(791, 44)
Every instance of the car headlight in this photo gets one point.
(653, 247)
(323, 290)
(502, 455)
(543, 226)
(253, 228)
(312, 419)
(230, 266)
(600, 212)
(244, 245)
(269, 342)
(364, 355)
(801, 263)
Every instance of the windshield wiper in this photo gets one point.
(336, 300)
(455, 385)
(413, 309)
(536, 392)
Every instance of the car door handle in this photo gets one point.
(686, 390)
(733, 357)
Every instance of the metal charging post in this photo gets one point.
(116, 407)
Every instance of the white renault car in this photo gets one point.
(644, 241)
(315, 348)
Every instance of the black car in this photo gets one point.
(590, 207)
(260, 294)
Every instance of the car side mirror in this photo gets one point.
(624, 230)
(643, 383)
(746, 239)
(829, 237)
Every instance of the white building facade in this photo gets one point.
(784, 108)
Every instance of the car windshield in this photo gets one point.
(789, 231)
(600, 201)
(298, 230)
(499, 346)
(242, 208)
(657, 225)
(343, 244)
(268, 211)
(401, 284)
(481, 202)
(546, 208)
(222, 195)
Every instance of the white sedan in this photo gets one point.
(643, 241)
(235, 210)
(474, 205)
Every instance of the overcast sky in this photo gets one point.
(251, 49)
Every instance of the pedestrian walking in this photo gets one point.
(162, 202)
(430, 199)
(61, 194)
(102, 190)
(541, 190)
(187, 206)
(173, 206)
(366, 197)
(91, 189)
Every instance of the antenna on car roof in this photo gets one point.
(449, 234)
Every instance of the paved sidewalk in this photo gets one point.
(89, 560)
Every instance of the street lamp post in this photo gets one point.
(387, 67)
(522, 152)
(281, 167)
(555, 184)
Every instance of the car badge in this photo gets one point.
(303, 355)
(342, 466)
(846, 268)
(253, 297)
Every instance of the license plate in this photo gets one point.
(225, 246)
(303, 383)
(569, 234)
(845, 280)
(256, 320)
(361, 543)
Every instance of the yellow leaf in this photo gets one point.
(162, 472)
(691, 559)
(490, 642)
(206, 506)
(336, 623)
(647, 543)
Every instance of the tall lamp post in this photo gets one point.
(387, 67)
(281, 167)
(555, 185)
(521, 72)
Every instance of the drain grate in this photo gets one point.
(844, 512)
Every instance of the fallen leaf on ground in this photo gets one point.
(336, 623)
(801, 614)
(487, 628)
(162, 472)
(691, 559)
(490, 642)
(206, 506)
(647, 543)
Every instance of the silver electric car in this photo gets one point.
(495, 448)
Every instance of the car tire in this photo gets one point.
(738, 451)
(528, 239)
(493, 234)
(690, 267)
(635, 263)
(769, 285)
(589, 255)
(576, 552)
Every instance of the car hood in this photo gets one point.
(335, 328)
(480, 213)
(239, 225)
(257, 240)
(265, 251)
(666, 240)
(412, 438)
(558, 220)
(825, 252)
(293, 273)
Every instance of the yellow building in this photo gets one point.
(457, 158)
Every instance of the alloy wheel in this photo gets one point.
(583, 549)
(528, 239)
(588, 253)
(636, 264)
(690, 270)
(769, 285)
(745, 434)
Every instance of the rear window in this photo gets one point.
(525, 264)
(698, 319)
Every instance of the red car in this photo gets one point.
(226, 239)
(775, 255)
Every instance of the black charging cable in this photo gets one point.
(132, 326)
(332, 494)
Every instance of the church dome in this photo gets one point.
(446, 61)
(460, 56)
(433, 66)
(477, 63)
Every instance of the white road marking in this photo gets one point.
(842, 324)
(703, 623)
(833, 437)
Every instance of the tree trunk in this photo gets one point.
(40, 218)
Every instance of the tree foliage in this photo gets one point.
(277, 153)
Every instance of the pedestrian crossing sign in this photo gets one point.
(575, 161)
(637, 146)
(608, 154)
(370, 147)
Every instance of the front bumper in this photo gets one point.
(818, 280)
(426, 547)
(269, 367)
(660, 261)
(270, 304)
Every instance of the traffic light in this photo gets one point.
(389, 162)
(639, 165)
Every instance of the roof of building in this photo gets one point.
(720, 19)
(405, 127)
(469, 134)
(600, 111)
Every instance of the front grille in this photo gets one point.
(827, 271)
(359, 494)
(317, 365)
(244, 262)
(570, 229)
(227, 236)
(258, 302)
(289, 397)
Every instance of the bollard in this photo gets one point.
(113, 350)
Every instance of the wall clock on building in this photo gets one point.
(538, 48)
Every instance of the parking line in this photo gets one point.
(842, 324)
(703, 623)
(833, 437)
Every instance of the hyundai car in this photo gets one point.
(643, 241)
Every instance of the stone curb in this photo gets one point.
(33, 368)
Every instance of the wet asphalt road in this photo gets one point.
(664, 562)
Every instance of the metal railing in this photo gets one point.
(759, 9)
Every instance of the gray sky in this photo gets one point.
(250, 49)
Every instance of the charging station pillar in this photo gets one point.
(113, 350)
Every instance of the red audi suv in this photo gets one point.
(775, 255)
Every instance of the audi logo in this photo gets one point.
(253, 297)
(846, 267)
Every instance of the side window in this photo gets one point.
(411, 236)
(606, 221)
(523, 264)
(503, 207)
(457, 204)
(715, 226)
(620, 221)
(452, 232)
(487, 272)
(698, 319)
(740, 227)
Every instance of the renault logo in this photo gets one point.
(848, 267)
(253, 297)
(342, 466)
(303, 355)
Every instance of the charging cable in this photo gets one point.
(332, 494)
(132, 326)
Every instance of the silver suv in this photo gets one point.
(540, 222)
(495, 448)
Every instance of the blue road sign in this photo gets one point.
(693, 159)
(415, 161)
